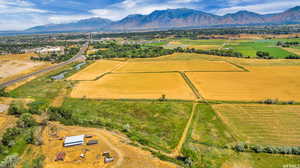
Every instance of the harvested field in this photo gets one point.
(126, 156)
(263, 124)
(95, 70)
(167, 66)
(135, 86)
(275, 82)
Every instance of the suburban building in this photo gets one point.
(74, 140)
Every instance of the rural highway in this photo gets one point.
(78, 56)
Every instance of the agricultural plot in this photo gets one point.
(135, 86)
(295, 50)
(274, 82)
(95, 70)
(263, 124)
(250, 48)
(171, 66)
(205, 47)
(156, 124)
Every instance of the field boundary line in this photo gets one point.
(177, 150)
(238, 66)
(192, 87)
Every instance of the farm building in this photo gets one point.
(74, 140)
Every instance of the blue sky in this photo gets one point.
(22, 14)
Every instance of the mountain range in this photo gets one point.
(174, 18)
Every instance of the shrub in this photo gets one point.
(3, 93)
(26, 120)
(10, 161)
(240, 147)
(59, 114)
(16, 108)
(9, 135)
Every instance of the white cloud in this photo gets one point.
(18, 7)
(263, 8)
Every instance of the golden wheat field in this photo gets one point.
(185, 65)
(276, 82)
(135, 86)
(263, 124)
(95, 70)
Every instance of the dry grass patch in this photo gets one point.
(293, 50)
(95, 70)
(126, 156)
(135, 86)
(263, 124)
(185, 65)
(205, 47)
(261, 83)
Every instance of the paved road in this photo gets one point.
(78, 56)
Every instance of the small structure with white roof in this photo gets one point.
(74, 140)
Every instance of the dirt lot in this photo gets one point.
(275, 82)
(184, 65)
(95, 70)
(12, 66)
(135, 86)
(126, 156)
(263, 124)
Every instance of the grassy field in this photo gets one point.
(44, 89)
(135, 86)
(256, 85)
(263, 124)
(209, 134)
(157, 124)
(188, 65)
(95, 70)
(250, 48)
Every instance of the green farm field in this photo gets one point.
(157, 124)
(250, 48)
(207, 138)
(277, 125)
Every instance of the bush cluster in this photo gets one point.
(276, 101)
(243, 147)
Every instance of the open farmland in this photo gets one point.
(263, 124)
(135, 86)
(156, 124)
(275, 82)
(171, 66)
(95, 70)
(250, 48)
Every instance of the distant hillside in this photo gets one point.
(82, 25)
(175, 18)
